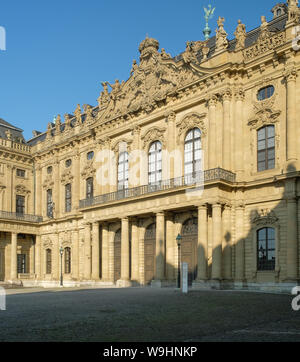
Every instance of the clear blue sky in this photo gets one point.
(59, 51)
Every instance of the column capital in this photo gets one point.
(202, 206)
(160, 213)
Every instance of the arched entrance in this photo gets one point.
(149, 253)
(117, 256)
(189, 234)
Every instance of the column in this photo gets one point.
(76, 192)
(202, 243)
(134, 251)
(217, 242)
(226, 130)
(292, 248)
(212, 156)
(38, 256)
(291, 118)
(239, 142)
(105, 253)
(239, 244)
(56, 190)
(142, 231)
(125, 248)
(39, 192)
(87, 252)
(75, 257)
(56, 258)
(13, 258)
(32, 258)
(227, 237)
(171, 264)
(160, 249)
(95, 252)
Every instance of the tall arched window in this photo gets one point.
(155, 163)
(266, 249)
(48, 261)
(67, 260)
(266, 148)
(123, 171)
(192, 153)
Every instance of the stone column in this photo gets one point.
(239, 142)
(32, 258)
(56, 258)
(76, 192)
(292, 242)
(105, 254)
(227, 237)
(38, 192)
(291, 118)
(56, 190)
(134, 251)
(171, 120)
(125, 255)
(160, 250)
(239, 244)
(170, 248)
(217, 242)
(212, 155)
(95, 253)
(75, 257)
(38, 256)
(141, 252)
(13, 258)
(226, 130)
(202, 243)
(87, 252)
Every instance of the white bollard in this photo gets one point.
(184, 278)
(2, 299)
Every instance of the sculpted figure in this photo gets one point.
(164, 55)
(240, 35)
(221, 36)
(77, 114)
(104, 96)
(134, 67)
(293, 11)
(189, 55)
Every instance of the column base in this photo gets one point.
(124, 283)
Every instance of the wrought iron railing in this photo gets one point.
(197, 179)
(20, 217)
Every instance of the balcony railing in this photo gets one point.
(20, 217)
(197, 179)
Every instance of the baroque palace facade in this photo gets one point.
(204, 145)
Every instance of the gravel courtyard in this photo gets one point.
(132, 315)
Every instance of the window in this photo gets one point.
(48, 261)
(266, 148)
(155, 163)
(278, 12)
(20, 205)
(68, 198)
(20, 173)
(49, 170)
(90, 155)
(68, 163)
(67, 260)
(21, 263)
(123, 171)
(265, 93)
(49, 204)
(89, 188)
(192, 153)
(266, 249)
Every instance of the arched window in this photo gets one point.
(68, 198)
(266, 148)
(123, 171)
(48, 261)
(155, 163)
(265, 93)
(90, 188)
(192, 153)
(67, 260)
(266, 249)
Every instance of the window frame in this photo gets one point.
(263, 94)
(21, 173)
(157, 154)
(89, 195)
(123, 168)
(194, 161)
(268, 265)
(67, 254)
(68, 197)
(48, 261)
(49, 203)
(20, 206)
(267, 150)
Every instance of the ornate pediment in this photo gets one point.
(48, 183)
(265, 217)
(66, 177)
(123, 145)
(264, 114)
(154, 134)
(21, 190)
(190, 121)
(157, 76)
(88, 170)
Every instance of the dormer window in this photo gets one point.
(279, 10)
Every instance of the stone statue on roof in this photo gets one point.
(240, 35)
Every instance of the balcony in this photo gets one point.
(20, 217)
(214, 175)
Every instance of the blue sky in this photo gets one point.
(59, 51)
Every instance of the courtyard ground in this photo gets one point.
(150, 315)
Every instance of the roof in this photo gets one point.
(16, 133)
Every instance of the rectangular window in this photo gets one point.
(48, 261)
(20, 173)
(266, 148)
(89, 188)
(68, 198)
(21, 263)
(266, 249)
(20, 205)
(49, 204)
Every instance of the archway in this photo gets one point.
(149, 253)
(189, 234)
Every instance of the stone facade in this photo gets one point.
(103, 221)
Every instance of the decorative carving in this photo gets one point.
(89, 116)
(154, 134)
(123, 145)
(240, 35)
(104, 98)
(77, 114)
(290, 74)
(47, 244)
(22, 190)
(57, 124)
(226, 94)
(293, 11)
(88, 170)
(221, 36)
(239, 94)
(189, 55)
(164, 55)
(264, 114)
(191, 121)
(48, 183)
(265, 217)
(66, 177)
